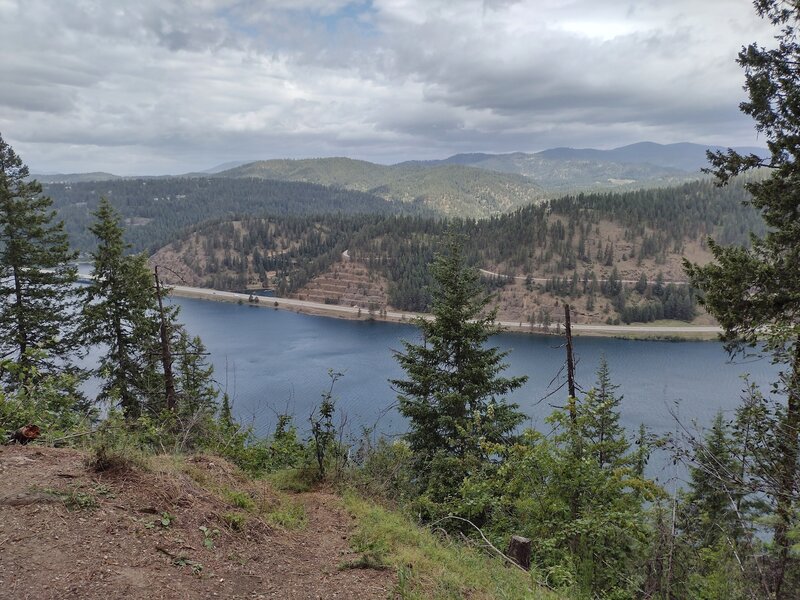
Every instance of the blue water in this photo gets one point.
(275, 361)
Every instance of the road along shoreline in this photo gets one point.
(672, 332)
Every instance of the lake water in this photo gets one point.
(276, 361)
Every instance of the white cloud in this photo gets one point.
(174, 85)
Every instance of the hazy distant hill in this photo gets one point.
(684, 156)
(557, 170)
(451, 189)
(74, 177)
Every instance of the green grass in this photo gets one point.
(291, 480)
(429, 568)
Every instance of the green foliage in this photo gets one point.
(327, 450)
(453, 392)
(49, 400)
(754, 292)
(37, 297)
(429, 567)
(576, 493)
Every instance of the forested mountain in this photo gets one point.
(616, 256)
(641, 165)
(453, 190)
(157, 210)
(683, 156)
(74, 177)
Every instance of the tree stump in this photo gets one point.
(519, 550)
(24, 434)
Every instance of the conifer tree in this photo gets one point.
(36, 275)
(453, 391)
(754, 292)
(120, 313)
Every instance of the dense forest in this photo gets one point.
(575, 246)
(156, 210)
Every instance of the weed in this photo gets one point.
(181, 561)
(74, 498)
(292, 480)
(287, 514)
(426, 567)
(165, 520)
(208, 536)
(235, 521)
(104, 491)
(367, 560)
(240, 499)
(111, 460)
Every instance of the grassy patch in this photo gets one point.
(239, 499)
(286, 513)
(235, 521)
(429, 568)
(291, 480)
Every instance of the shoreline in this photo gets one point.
(651, 332)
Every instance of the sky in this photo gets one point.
(172, 86)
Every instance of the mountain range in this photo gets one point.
(477, 184)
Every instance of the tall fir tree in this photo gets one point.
(120, 312)
(754, 292)
(37, 277)
(453, 391)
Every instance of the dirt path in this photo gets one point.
(68, 532)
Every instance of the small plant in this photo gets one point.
(166, 520)
(74, 499)
(208, 536)
(288, 514)
(235, 521)
(240, 499)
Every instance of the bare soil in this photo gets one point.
(69, 532)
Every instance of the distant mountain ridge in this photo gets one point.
(450, 189)
(476, 184)
(684, 155)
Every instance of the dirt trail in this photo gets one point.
(68, 532)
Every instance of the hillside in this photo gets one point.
(159, 210)
(615, 256)
(175, 527)
(454, 190)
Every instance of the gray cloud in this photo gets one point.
(161, 86)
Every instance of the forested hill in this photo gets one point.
(453, 190)
(570, 247)
(157, 210)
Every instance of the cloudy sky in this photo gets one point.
(169, 86)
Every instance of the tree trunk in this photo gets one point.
(519, 550)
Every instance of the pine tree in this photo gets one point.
(120, 313)
(754, 292)
(453, 392)
(36, 275)
(606, 441)
(195, 376)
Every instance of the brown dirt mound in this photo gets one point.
(67, 531)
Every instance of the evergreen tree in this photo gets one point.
(606, 441)
(36, 275)
(453, 392)
(195, 377)
(120, 313)
(755, 292)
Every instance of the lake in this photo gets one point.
(276, 361)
